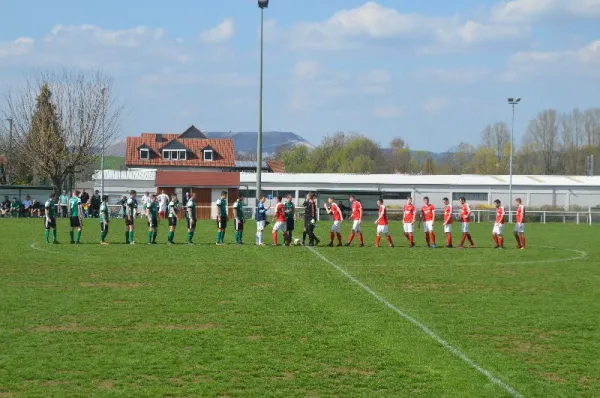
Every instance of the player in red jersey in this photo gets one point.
(428, 217)
(382, 225)
(336, 212)
(357, 215)
(448, 219)
(465, 217)
(520, 225)
(280, 221)
(498, 230)
(409, 222)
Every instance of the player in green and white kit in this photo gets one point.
(221, 217)
(238, 207)
(104, 218)
(75, 212)
(190, 209)
(152, 214)
(173, 209)
(131, 209)
(50, 218)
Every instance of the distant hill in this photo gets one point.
(244, 141)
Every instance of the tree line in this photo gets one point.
(552, 144)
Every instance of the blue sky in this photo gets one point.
(434, 73)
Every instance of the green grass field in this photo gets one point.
(291, 322)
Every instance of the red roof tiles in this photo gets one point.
(223, 151)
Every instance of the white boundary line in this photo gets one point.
(423, 328)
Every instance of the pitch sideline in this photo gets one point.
(494, 379)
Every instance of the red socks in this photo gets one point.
(377, 240)
(351, 237)
(411, 239)
(448, 239)
(496, 239)
(274, 238)
(332, 236)
(462, 239)
(523, 241)
(427, 239)
(360, 236)
(501, 241)
(389, 239)
(339, 236)
(470, 240)
(432, 237)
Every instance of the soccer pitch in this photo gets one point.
(206, 320)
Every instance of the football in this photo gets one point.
(297, 242)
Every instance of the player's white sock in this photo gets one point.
(259, 238)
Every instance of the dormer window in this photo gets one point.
(144, 154)
(174, 154)
(207, 155)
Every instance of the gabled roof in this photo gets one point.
(174, 145)
(143, 146)
(193, 132)
(225, 155)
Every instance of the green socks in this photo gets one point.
(220, 236)
(78, 236)
(149, 236)
(71, 234)
(154, 236)
(130, 236)
(54, 235)
(171, 236)
(102, 236)
(190, 236)
(238, 237)
(127, 237)
(47, 236)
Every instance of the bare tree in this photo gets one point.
(571, 127)
(497, 138)
(61, 121)
(542, 134)
(592, 126)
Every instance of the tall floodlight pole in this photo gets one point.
(103, 141)
(262, 4)
(10, 150)
(512, 102)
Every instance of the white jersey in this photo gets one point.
(163, 200)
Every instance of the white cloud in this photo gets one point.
(453, 76)
(583, 61)
(435, 104)
(530, 10)
(389, 111)
(221, 33)
(91, 34)
(376, 81)
(16, 48)
(350, 29)
(305, 70)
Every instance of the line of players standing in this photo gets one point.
(283, 218)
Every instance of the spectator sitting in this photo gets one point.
(5, 207)
(15, 208)
(26, 209)
(35, 209)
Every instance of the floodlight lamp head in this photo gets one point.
(514, 101)
(263, 3)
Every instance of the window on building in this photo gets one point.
(474, 196)
(208, 155)
(395, 195)
(174, 154)
(144, 154)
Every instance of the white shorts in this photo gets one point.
(336, 226)
(465, 227)
(382, 229)
(163, 209)
(280, 226)
(448, 228)
(520, 228)
(428, 226)
(356, 226)
(260, 225)
(408, 228)
(498, 229)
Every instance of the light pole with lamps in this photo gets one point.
(103, 91)
(512, 102)
(262, 4)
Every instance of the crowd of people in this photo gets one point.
(156, 207)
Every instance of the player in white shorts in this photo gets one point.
(336, 212)
(498, 231)
(408, 220)
(448, 219)
(357, 214)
